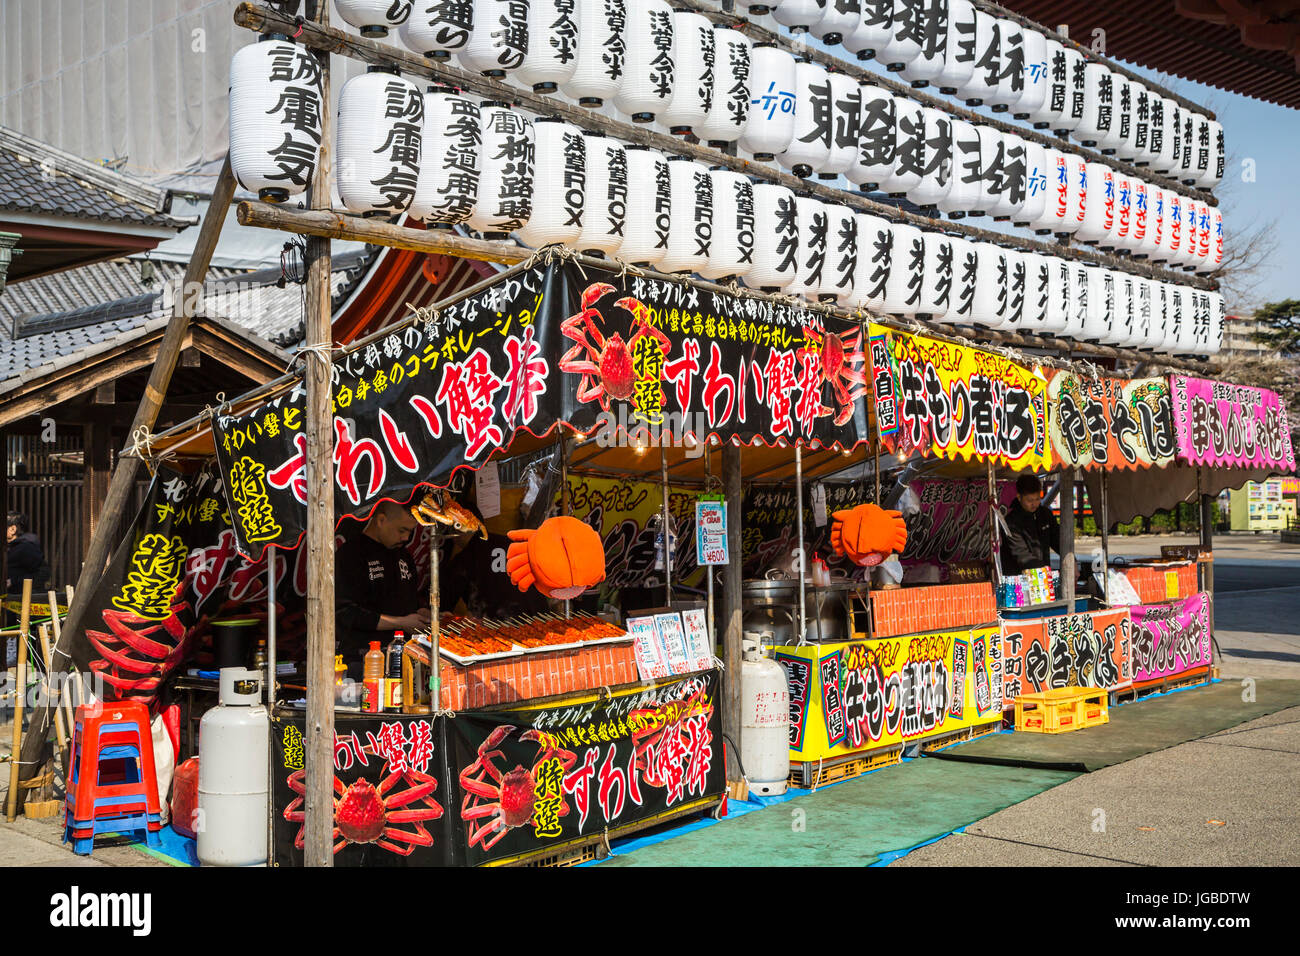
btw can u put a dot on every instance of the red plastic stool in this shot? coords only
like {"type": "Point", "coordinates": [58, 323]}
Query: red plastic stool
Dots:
{"type": "Point", "coordinates": [114, 785]}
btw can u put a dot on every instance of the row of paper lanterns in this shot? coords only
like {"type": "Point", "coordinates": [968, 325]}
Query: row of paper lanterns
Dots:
{"type": "Point", "coordinates": [995, 61]}
{"type": "Point", "coordinates": [440, 155]}
{"type": "Point", "coordinates": [655, 63]}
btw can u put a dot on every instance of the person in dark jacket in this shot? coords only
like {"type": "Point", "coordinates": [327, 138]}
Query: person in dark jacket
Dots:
{"type": "Point", "coordinates": [1032, 533]}
{"type": "Point", "coordinates": [25, 558]}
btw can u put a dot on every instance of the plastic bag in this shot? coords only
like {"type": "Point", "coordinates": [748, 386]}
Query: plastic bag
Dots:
{"type": "Point", "coordinates": [164, 761]}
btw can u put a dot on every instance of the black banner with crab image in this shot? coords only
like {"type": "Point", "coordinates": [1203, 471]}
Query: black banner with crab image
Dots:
{"type": "Point", "coordinates": [540, 777]}
{"type": "Point", "coordinates": [609, 354]}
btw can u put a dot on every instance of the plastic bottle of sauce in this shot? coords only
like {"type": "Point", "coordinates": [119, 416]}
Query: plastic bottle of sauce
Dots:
{"type": "Point", "coordinates": [372, 687]}
{"type": "Point", "coordinates": [393, 673]}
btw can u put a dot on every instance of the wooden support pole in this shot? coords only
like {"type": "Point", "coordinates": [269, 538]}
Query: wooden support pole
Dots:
{"type": "Point", "coordinates": [66, 697]}
{"type": "Point", "coordinates": [1207, 544]}
{"type": "Point", "coordinates": [20, 692]}
{"type": "Point", "coordinates": [732, 609]}
{"type": "Point", "coordinates": [53, 695]}
{"type": "Point", "coordinates": [1069, 564]}
{"type": "Point", "coordinates": [4, 552]}
{"type": "Point", "coordinates": [319, 745]}
{"type": "Point", "coordinates": [117, 503]}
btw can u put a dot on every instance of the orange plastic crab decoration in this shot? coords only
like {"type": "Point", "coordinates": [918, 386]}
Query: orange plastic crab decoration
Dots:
{"type": "Point", "coordinates": [868, 534]}
{"type": "Point", "coordinates": [562, 558]}
{"type": "Point", "coordinates": [606, 363]}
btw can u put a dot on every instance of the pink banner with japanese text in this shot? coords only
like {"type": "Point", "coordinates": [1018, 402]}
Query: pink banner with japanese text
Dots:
{"type": "Point", "coordinates": [1169, 639]}
{"type": "Point", "coordinates": [1235, 426]}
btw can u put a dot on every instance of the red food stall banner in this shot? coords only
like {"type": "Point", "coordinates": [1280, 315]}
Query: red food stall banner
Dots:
{"type": "Point", "coordinates": [1074, 650]}
{"type": "Point", "coordinates": [1110, 423]}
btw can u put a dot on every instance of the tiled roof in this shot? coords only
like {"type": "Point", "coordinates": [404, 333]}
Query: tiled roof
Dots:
{"type": "Point", "coordinates": [53, 320]}
{"type": "Point", "coordinates": [37, 179]}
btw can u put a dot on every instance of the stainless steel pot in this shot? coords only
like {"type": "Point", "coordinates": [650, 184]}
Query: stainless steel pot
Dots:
{"type": "Point", "coordinates": [774, 606]}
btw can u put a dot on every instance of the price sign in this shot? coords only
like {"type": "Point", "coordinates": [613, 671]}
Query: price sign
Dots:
{"type": "Point", "coordinates": [710, 532]}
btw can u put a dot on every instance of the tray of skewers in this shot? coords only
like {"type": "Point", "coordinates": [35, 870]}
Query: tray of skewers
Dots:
{"type": "Point", "coordinates": [468, 640]}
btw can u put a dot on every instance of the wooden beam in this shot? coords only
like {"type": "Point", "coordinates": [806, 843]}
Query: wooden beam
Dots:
{"type": "Point", "coordinates": [95, 466]}
{"type": "Point", "coordinates": [317, 37]}
{"type": "Point", "coordinates": [117, 502]}
{"type": "Point", "coordinates": [247, 363]}
{"type": "Point", "coordinates": [319, 822]}
{"type": "Point", "coordinates": [191, 358]}
{"type": "Point", "coordinates": [106, 394]}
{"type": "Point", "coordinates": [78, 380]}
{"type": "Point", "coordinates": [337, 225]}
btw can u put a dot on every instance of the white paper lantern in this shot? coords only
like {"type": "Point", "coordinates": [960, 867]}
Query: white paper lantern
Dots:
{"type": "Point", "coordinates": [1017, 283]}
{"type": "Point", "coordinates": [1174, 122]}
{"type": "Point", "coordinates": [1159, 314]}
{"type": "Point", "coordinates": [810, 147]}
{"type": "Point", "coordinates": [1126, 332]}
{"type": "Point", "coordinates": [552, 45]}
{"type": "Point", "coordinates": [602, 51]}
{"type": "Point", "coordinates": [275, 118]}
{"type": "Point", "coordinates": [990, 308]}
{"type": "Point", "coordinates": [904, 44]}
{"type": "Point", "coordinates": [1142, 98]}
{"type": "Point", "coordinates": [1034, 94]}
{"type": "Point", "coordinates": [1187, 162]}
{"type": "Point", "coordinates": [907, 270]}
{"type": "Point", "coordinates": [1100, 304]}
{"type": "Point", "coordinates": [1109, 140]}
{"type": "Point", "coordinates": [649, 207]}
{"type": "Point", "coordinates": [1078, 177]}
{"type": "Point", "coordinates": [1059, 315]}
{"type": "Point", "coordinates": [1099, 204]}
{"type": "Point", "coordinates": [965, 271]}
{"type": "Point", "coordinates": [909, 147]}
{"type": "Point", "coordinates": [729, 112]}
{"type": "Point", "coordinates": [1036, 175]}
{"type": "Point", "coordinates": [965, 188]}
{"type": "Point", "coordinates": [1203, 160]}
{"type": "Point", "coordinates": [1155, 213]}
{"type": "Point", "coordinates": [811, 277]}
{"type": "Point", "coordinates": [876, 144]}
{"type": "Point", "coordinates": [936, 276]}
{"type": "Point", "coordinates": [1117, 236]}
{"type": "Point", "coordinates": [1166, 141]}
{"type": "Point", "coordinates": [604, 218]}
{"type": "Point", "coordinates": [1141, 313]}
{"type": "Point", "coordinates": [1171, 244]}
{"type": "Point", "coordinates": [380, 127]}
{"type": "Point", "coordinates": [776, 239]}
{"type": "Point", "coordinates": [1191, 234]}
{"type": "Point", "coordinates": [498, 41]}
{"type": "Point", "coordinates": [770, 124]}
{"type": "Point", "coordinates": [838, 18]}
{"type": "Point", "coordinates": [936, 175]}
{"type": "Point", "coordinates": [695, 56]}
{"type": "Point", "coordinates": [798, 15]}
{"type": "Point", "coordinates": [841, 253]}
{"type": "Point", "coordinates": [1011, 171]}
{"type": "Point", "coordinates": [1184, 321]}
{"type": "Point", "coordinates": [1215, 259]}
{"type": "Point", "coordinates": [846, 110]}
{"type": "Point", "coordinates": [928, 64]}
{"type": "Point", "coordinates": [958, 48]}
{"type": "Point", "coordinates": [1213, 174]}
{"type": "Point", "coordinates": [983, 83]}
{"type": "Point", "coordinates": [1217, 316]}
{"type": "Point", "coordinates": [447, 190]}
{"type": "Point", "coordinates": [1037, 292]}
{"type": "Point", "coordinates": [875, 256]}
{"type": "Point", "coordinates": [875, 27]}
{"type": "Point", "coordinates": [374, 18]}
{"type": "Point", "coordinates": [1204, 237]}
{"type": "Point", "coordinates": [690, 231]}
{"type": "Point", "coordinates": [731, 251]}
{"type": "Point", "coordinates": [505, 184]}
{"type": "Point", "coordinates": [1011, 61]}
{"type": "Point", "coordinates": [1072, 113]}
{"type": "Point", "coordinates": [1110, 308]}
{"type": "Point", "coordinates": [1140, 216]}
{"type": "Point", "coordinates": [650, 62]}
{"type": "Point", "coordinates": [1055, 84]}
{"type": "Point", "coordinates": [560, 162]}
{"type": "Point", "coordinates": [1125, 112]}
{"type": "Point", "coordinates": [992, 153]}
{"type": "Point", "coordinates": [1204, 321]}
{"type": "Point", "coordinates": [1080, 302]}
{"type": "Point", "coordinates": [436, 28]}
{"type": "Point", "coordinates": [1098, 104]}
{"type": "Point", "coordinates": [1056, 194]}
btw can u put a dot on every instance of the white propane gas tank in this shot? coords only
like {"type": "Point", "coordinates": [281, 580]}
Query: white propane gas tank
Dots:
{"type": "Point", "coordinates": [233, 762]}
{"type": "Point", "coordinates": [764, 720]}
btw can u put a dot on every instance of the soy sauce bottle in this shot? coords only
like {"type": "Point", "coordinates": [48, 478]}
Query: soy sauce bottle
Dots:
{"type": "Point", "coordinates": [393, 673]}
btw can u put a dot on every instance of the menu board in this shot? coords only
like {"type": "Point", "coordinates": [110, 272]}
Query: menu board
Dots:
{"type": "Point", "coordinates": [651, 661]}
{"type": "Point", "coordinates": [710, 532]}
{"type": "Point", "coordinates": [672, 639]}
{"type": "Point", "coordinates": [699, 647]}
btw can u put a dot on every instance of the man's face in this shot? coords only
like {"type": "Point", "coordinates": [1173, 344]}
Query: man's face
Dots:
{"type": "Point", "coordinates": [11, 533]}
{"type": "Point", "coordinates": [1030, 501]}
{"type": "Point", "coordinates": [394, 531]}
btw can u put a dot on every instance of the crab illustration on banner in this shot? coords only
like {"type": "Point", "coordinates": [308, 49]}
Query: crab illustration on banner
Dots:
{"type": "Point", "coordinates": [1110, 422]}
{"type": "Point", "coordinates": [868, 534]}
{"type": "Point", "coordinates": [562, 558]}
{"type": "Point", "coordinates": [958, 402]}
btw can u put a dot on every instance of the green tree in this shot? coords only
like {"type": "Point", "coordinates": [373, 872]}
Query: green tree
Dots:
{"type": "Point", "coordinates": [1282, 326]}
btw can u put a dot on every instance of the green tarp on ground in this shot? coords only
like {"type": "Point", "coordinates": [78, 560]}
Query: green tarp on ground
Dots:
{"type": "Point", "coordinates": [1135, 729]}
{"type": "Point", "coordinates": [853, 823]}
